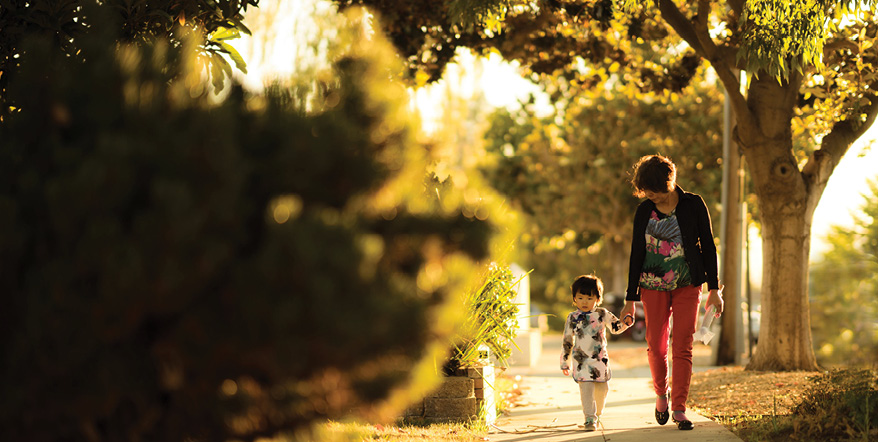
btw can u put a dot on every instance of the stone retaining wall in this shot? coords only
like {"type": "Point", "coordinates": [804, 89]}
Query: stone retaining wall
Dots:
{"type": "Point", "coordinates": [459, 398]}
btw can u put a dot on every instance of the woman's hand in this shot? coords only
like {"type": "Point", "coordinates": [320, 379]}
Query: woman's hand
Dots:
{"type": "Point", "coordinates": [628, 309]}
{"type": "Point", "coordinates": [715, 298]}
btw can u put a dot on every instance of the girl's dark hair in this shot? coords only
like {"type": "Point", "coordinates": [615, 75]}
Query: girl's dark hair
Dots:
{"type": "Point", "coordinates": [588, 285]}
{"type": "Point", "coordinates": [654, 173]}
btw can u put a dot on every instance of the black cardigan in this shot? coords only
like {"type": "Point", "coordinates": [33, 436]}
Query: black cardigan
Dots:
{"type": "Point", "coordinates": [698, 246]}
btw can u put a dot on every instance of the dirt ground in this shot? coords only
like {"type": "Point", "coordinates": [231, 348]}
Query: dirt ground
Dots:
{"type": "Point", "coordinates": [726, 391]}
{"type": "Point", "coordinates": [733, 391]}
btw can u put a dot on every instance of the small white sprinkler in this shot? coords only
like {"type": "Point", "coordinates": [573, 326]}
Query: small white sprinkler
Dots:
{"type": "Point", "coordinates": [704, 334]}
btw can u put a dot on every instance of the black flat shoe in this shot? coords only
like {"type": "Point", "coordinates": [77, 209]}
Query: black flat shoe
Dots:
{"type": "Point", "coordinates": [661, 417]}
{"type": "Point", "coordinates": [682, 425]}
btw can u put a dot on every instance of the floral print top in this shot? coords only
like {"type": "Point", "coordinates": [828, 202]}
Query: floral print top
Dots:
{"type": "Point", "coordinates": [585, 338]}
{"type": "Point", "coordinates": [664, 267]}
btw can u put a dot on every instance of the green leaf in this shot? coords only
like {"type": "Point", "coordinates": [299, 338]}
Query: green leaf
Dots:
{"type": "Point", "coordinates": [223, 33]}
{"type": "Point", "coordinates": [217, 78]}
{"type": "Point", "coordinates": [219, 70]}
{"type": "Point", "coordinates": [240, 26]}
{"type": "Point", "coordinates": [162, 14]}
{"type": "Point", "coordinates": [235, 56]}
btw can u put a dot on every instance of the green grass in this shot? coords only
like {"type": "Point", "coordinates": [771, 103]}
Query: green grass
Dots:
{"type": "Point", "coordinates": [356, 432]}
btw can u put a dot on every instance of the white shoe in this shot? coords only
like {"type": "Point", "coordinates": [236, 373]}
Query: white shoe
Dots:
{"type": "Point", "coordinates": [590, 425]}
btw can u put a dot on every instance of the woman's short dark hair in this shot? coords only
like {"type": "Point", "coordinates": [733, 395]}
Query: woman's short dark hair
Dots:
{"type": "Point", "coordinates": [654, 173]}
{"type": "Point", "coordinates": [588, 285]}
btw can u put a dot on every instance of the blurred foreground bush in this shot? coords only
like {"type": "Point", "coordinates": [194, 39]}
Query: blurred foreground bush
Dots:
{"type": "Point", "coordinates": [176, 269]}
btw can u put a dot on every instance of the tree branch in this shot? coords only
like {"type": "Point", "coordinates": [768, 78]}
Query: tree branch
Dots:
{"type": "Point", "coordinates": [728, 55]}
{"type": "Point", "coordinates": [839, 44]}
{"type": "Point", "coordinates": [701, 18]}
{"type": "Point", "coordinates": [725, 65]}
{"type": "Point", "coordinates": [676, 20]}
{"type": "Point", "coordinates": [823, 161]}
{"type": "Point", "coordinates": [737, 6]}
{"type": "Point", "coordinates": [731, 81]}
{"type": "Point", "coordinates": [791, 98]}
{"type": "Point", "coordinates": [701, 31]}
{"type": "Point", "coordinates": [721, 58]}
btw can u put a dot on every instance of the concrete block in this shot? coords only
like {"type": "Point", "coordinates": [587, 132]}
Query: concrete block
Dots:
{"type": "Point", "coordinates": [479, 393]}
{"type": "Point", "coordinates": [452, 408]}
{"type": "Point", "coordinates": [458, 399]}
{"type": "Point", "coordinates": [478, 383]}
{"type": "Point", "coordinates": [454, 387]}
{"type": "Point", "coordinates": [415, 410]}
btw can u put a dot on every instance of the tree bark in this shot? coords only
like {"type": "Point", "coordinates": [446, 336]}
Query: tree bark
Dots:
{"type": "Point", "coordinates": [785, 333]}
{"type": "Point", "coordinates": [784, 206]}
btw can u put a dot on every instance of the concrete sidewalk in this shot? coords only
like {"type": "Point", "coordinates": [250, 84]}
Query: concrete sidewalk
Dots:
{"type": "Point", "coordinates": [551, 410]}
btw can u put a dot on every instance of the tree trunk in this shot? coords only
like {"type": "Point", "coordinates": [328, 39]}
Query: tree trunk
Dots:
{"type": "Point", "coordinates": [785, 330]}
{"type": "Point", "coordinates": [617, 253]}
{"type": "Point", "coordinates": [730, 242]}
{"type": "Point", "coordinates": [786, 209]}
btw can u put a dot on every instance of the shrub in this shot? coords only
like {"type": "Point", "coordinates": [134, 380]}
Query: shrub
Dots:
{"type": "Point", "coordinates": [841, 404]}
{"type": "Point", "coordinates": [174, 268]}
{"type": "Point", "coordinates": [491, 321]}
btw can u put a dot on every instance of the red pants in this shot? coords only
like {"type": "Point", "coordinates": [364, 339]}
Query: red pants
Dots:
{"type": "Point", "coordinates": [658, 306]}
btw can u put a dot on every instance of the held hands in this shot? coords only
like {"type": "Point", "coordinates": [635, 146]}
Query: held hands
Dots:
{"type": "Point", "coordinates": [627, 313]}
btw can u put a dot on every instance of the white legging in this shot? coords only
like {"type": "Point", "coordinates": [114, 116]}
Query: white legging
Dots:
{"type": "Point", "coordinates": [594, 396]}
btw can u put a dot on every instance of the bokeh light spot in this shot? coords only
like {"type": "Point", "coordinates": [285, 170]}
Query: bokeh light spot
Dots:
{"type": "Point", "coordinates": [285, 208]}
{"type": "Point", "coordinates": [229, 387]}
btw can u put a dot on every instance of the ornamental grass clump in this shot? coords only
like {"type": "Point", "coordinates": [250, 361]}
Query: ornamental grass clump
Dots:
{"type": "Point", "coordinates": [490, 324]}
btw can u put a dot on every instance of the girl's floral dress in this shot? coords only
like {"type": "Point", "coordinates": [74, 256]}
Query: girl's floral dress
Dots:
{"type": "Point", "coordinates": [585, 338]}
{"type": "Point", "coordinates": [664, 267]}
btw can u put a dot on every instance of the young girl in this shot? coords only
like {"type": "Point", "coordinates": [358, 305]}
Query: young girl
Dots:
{"type": "Point", "coordinates": [585, 338]}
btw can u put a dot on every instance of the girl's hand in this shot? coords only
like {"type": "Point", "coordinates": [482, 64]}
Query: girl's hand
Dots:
{"type": "Point", "coordinates": [566, 372]}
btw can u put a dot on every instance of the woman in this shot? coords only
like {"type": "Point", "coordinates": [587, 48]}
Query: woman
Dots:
{"type": "Point", "coordinates": [672, 255]}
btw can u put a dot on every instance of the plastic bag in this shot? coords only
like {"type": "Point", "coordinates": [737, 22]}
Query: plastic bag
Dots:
{"type": "Point", "coordinates": [704, 334]}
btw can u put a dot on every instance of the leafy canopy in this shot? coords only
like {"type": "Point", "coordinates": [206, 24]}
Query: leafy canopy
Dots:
{"type": "Point", "coordinates": [776, 36]}
{"type": "Point", "coordinates": [65, 23]}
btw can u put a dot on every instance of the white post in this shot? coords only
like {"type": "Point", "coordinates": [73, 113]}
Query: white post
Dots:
{"type": "Point", "coordinates": [528, 340]}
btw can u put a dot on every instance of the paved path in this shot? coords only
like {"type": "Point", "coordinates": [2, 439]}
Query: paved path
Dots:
{"type": "Point", "coordinates": [551, 410]}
